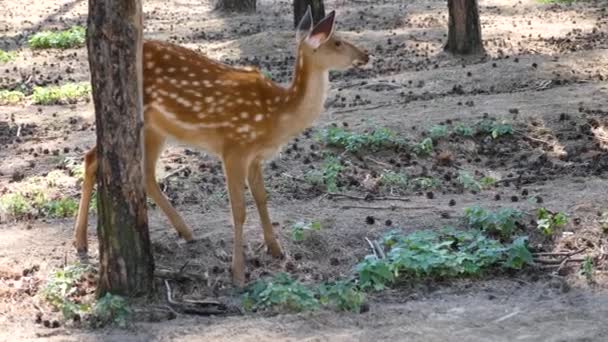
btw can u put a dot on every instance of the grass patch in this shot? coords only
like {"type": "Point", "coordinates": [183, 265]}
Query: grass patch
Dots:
{"type": "Point", "coordinates": [73, 37]}
{"type": "Point", "coordinates": [65, 94]}
{"type": "Point", "coordinates": [376, 140]}
{"type": "Point", "coordinates": [35, 204]}
{"type": "Point", "coordinates": [9, 97]}
{"type": "Point", "coordinates": [6, 57]}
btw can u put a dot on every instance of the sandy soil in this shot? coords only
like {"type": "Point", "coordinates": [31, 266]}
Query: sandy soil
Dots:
{"type": "Point", "coordinates": [545, 71]}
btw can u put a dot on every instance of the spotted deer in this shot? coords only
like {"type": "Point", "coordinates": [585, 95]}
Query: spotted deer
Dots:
{"type": "Point", "coordinates": [237, 114]}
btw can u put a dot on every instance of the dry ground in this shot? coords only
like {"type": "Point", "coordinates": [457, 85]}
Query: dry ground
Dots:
{"type": "Point", "coordinates": [545, 72]}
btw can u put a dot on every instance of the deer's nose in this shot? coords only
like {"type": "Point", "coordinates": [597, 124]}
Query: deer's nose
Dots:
{"type": "Point", "coordinates": [364, 59]}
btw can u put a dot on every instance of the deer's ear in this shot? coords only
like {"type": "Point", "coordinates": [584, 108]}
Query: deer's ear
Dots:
{"type": "Point", "coordinates": [305, 26]}
{"type": "Point", "coordinates": [322, 31]}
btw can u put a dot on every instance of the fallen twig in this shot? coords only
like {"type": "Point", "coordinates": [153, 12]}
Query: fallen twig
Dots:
{"type": "Point", "coordinates": [179, 275]}
{"type": "Point", "coordinates": [390, 207]}
{"type": "Point", "coordinates": [379, 249]}
{"type": "Point", "coordinates": [369, 197]}
{"type": "Point", "coordinates": [371, 245]}
{"type": "Point", "coordinates": [196, 307]}
{"type": "Point", "coordinates": [173, 173]}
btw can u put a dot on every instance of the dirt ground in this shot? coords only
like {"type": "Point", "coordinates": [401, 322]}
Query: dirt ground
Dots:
{"type": "Point", "coordinates": [545, 72]}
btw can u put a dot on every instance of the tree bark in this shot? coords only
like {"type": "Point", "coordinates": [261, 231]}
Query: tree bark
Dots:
{"type": "Point", "coordinates": [114, 42]}
{"type": "Point", "coordinates": [236, 5]}
{"type": "Point", "coordinates": [300, 6]}
{"type": "Point", "coordinates": [464, 31]}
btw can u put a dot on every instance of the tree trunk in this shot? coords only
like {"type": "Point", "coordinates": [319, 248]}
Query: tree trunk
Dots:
{"type": "Point", "coordinates": [464, 32]}
{"type": "Point", "coordinates": [300, 6]}
{"type": "Point", "coordinates": [114, 42]}
{"type": "Point", "coordinates": [236, 5]}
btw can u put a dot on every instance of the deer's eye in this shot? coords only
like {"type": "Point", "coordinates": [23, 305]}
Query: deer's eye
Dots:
{"type": "Point", "coordinates": [338, 43]}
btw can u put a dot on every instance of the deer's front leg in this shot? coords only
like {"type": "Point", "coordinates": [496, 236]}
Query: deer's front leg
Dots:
{"type": "Point", "coordinates": [255, 180]}
{"type": "Point", "coordinates": [235, 169]}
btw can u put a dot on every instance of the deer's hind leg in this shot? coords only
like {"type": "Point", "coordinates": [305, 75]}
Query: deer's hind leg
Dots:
{"type": "Point", "coordinates": [154, 143]}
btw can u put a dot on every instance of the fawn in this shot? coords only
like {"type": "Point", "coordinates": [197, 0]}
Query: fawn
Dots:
{"type": "Point", "coordinates": [237, 114]}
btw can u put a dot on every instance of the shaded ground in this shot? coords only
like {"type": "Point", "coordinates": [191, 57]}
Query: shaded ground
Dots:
{"type": "Point", "coordinates": [545, 73]}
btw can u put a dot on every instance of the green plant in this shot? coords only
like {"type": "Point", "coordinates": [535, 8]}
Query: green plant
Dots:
{"type": "Point", "coordinates": [6, 57]}
{"type": "Point", "coordinates": [424, 183]}
{"type": "Point", "coordinates": [298, 229]}
{"type": "Point", "coordinates": [67, 93]}
{"type": "Point", "coordinates": [448, 253]}
{"type": "Point", "coordinates": [587, 268]}
{"type": "Point", "coordinates": [71, 38]}
{"type": "Point", "coordinates": [501, 223]}
{"type": "Point", "coordinates": [547, 222]}
{"type": "Point", "coordinates": [279, 293]}
{"type": "Point", "coordinates": [328, 175]}
{"type": "Point", "coordinates": [424, 148]}
{"type": "Point", "coordinates": [438, 132]}
{"type": "Point", "coordinates": [392, 178]}
{"type": "Point", "coordinates": [380, 138]}
{"type": "Point", "coordinates": [60, 208]}
{"type": "Point", "coordinates": [470, 183]}
{"type": "Point", "coordinates": [111, 309]}
{"type": "Point", "coordinates": [374, 273]}
{"type": "Point", "coordinates": [61, 287]}
{"type": "Point", "coordinates": [8, 97]}
{"type": "Point", "coordinates": [463, 130]}
{"type": "Point", "coordinates": [14, 205]}
{"type": "Point", "coordinates": [494, 128]}
{"type": "Point", "coordinates": [344, 295]}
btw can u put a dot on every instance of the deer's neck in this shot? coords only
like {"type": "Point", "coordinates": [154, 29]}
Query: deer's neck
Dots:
{"type": "Point", "coordinates": [307, 92]}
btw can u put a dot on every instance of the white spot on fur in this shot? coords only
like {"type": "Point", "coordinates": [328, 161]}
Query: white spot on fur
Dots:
{"type": "Point", "coordinates": [258, 117]}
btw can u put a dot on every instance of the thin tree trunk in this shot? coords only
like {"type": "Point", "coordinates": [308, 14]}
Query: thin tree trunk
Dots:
{"type": "Point", "coordinates": [114, 42]}
{"type": "Point", "coordinates": [236, 5]}
{"type": "Point", "coordinates": [300, 6]}
{"type": "Point", "coordinates": [464, 31]}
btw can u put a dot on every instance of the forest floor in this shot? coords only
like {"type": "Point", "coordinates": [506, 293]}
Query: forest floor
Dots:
{"type": "Point", "coordinates": [544, 77]}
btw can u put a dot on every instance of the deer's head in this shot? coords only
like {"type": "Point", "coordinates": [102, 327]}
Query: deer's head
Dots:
{"type": "Point", "coordinates": [322, 48]}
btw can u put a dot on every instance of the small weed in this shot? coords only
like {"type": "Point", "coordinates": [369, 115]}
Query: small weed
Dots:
{"type": "Point", "coordinates": [468, 182]}
{"type": "Point", "coordinates": [61, 288]}
{"type": "Point", "coordinates": [463, 130]}
{"type": "Point", "coordinates": [392, 178]}
{"type": "Point", "coordinates": [328, 175]}
{"type": "Point", "coordinates": [6, 57]}
{"type": "Point", "coordinates": [501, 223]}
{"type": "Point", "coordinates": [344, 295]}
{"type": "Point", "coordinates": [110, 309]}
{"type": "Point", "coordinates": [9, 97]}
{"type": "Point", "coordinates": [424, 183]}
{"type": "Point", "coordinates": [35, 203]}
{"type": "Point", "coordinates": [378, 139]}
{"type": "Point", "coordinates": [548, 222]}
{"type": "Point", "coordinates": [424, 148]}
{"type": "Point", "coordinates": [495, 129]}
{"type": "Point", "coordinates": [299, 229]}
{"type": "Point", "coordinates": [587, 269]}
{"type": "Point", "coordinates": [279, 293]}
{"type": "Point", "coordinates": [67, 93]}
{"type": "Point", "coordinates": [438, 132]}
{"type": "Point", "coordinates": [72, 38]}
